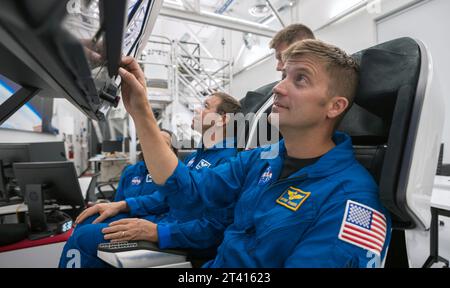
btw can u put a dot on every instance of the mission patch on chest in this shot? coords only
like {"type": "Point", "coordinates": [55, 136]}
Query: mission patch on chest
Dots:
{"type": "Point", "coordinates": [293, 198]}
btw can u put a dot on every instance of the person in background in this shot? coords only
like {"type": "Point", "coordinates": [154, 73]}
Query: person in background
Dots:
{"type": "Point", "coordinates": [135, 180]}
{"type": "Point", "coordinates": [255, 101]}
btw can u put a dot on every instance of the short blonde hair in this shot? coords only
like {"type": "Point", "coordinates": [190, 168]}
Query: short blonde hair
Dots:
{"type": "Point", "coordinates": [343, 71]}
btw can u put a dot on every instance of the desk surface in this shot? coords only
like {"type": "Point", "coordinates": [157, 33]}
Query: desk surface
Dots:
{"type": "Point", "coordinates": [102, 158]}
{"type": "Point", "coordinates": [441, 193]}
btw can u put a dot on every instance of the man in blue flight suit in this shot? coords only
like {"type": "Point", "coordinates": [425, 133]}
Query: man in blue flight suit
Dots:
{"type": "Point", "coordinates": [304, 202]}
{"type": "Point", "coordinates": [135, 180]}
{"type": "Point", "coordinates": [179, 225]}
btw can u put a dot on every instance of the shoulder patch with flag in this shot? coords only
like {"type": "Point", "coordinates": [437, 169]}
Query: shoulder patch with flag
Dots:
{"type": "Point", "coordinates": [364, 227]}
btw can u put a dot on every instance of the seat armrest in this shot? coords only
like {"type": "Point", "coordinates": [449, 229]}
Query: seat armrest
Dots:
{"type": "Point", "coordinates": [141, 254]}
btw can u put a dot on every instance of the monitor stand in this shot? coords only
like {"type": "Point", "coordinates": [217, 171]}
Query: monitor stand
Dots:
{"type": "Point", "coordinates": [34, 197]}
{"type": "Point", "coordinates": [3, 188]}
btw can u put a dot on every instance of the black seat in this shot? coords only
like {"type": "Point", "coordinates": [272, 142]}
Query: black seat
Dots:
{"type": "Point", "coordinates": [384, 121]}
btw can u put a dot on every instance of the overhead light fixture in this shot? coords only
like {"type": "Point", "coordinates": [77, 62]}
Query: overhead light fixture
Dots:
{"type": "Point", "coordinates": [260, 9]}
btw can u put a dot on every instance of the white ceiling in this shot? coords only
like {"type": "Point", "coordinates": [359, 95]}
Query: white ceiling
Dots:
{"type": "Point", "coordinates": [313, 13]}
{"type": "Point", "coordinates": [236, 8]}
{"type": "Point", "coordinates": [211, 37]}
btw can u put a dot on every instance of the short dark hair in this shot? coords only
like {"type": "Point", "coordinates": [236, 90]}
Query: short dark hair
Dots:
{"type": "Point", "coordinates": [228, 104]}
{"type": "Point", "coordinates": [291, 34]}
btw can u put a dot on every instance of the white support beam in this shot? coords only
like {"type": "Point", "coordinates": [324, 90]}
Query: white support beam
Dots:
{"type": "Point", "coordinates": [218, 21]}
{"type": "Point", "coordinates": [187, 5]}
{"type": "Point", "coordinates": [275, 12]}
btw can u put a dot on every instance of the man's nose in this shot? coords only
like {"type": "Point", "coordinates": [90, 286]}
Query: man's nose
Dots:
{"type": "Point", "coordinates": [279, 89]}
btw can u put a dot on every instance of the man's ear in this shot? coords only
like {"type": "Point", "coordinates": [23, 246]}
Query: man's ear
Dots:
{"type": "Point", "coordinates": [224, 119]}
{"type": "Point", "coordinates": [338, 105]}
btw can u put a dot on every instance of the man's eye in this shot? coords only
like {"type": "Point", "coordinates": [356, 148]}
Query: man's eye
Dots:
{"type": "Point", "coordinates": [301, 78]}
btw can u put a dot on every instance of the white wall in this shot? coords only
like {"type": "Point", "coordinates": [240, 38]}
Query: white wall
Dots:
{"type": "Point", "coordinates": [435, 14]}
{"type": "Point", "coordinates": [14, 136]}
{"type": "Point", "coordinates": [249, 80]}
{"type": "Point", "coordinates": [73, 123]}
{"type": "Point", "coordinates": [354, 32]}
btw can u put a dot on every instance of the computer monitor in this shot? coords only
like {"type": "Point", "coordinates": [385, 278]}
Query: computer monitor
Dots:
{"type": "Point", "coordinates": [9, 154]}
{"type": "Point", "coordinates": [47, 152]}
{"type": "Point", "coordinates": [48, 181]}
{"type": "Point", "coordinates": [24, 152]}
{"type": "Point", "coordinates": [60, 179]}
{"type": "Point", "coordinates": [12, 153]}
{"type": "Point", "coordinates": [111, 146]}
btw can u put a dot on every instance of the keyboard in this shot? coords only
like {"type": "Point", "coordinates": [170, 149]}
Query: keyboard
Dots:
{"type": "Point", "coordinates": [125, 246]}
{"type": "Point", "coordinates": [118, 246]}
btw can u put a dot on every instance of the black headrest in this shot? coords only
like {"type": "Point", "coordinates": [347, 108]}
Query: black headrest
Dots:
{"type": "Point", "coordinates": [384, 70]}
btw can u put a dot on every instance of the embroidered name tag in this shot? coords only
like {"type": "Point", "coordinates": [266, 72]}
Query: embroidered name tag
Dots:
{"type": "Point", "coordinates": [293, 198]}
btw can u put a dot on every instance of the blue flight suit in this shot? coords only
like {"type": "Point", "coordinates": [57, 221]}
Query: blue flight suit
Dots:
{"type": "Point", "coordinates": [189, 224]}
{"type": "Point", "coordinates": [135, 181]}
{"type": "Point", "coordinates": [184, 225]}
{"type": "Point", "coordinates": [327, 214]}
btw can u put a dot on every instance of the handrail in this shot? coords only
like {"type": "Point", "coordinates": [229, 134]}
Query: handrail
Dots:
{"type": "Point", "coordinates": [189, 78]}
{"type": "Point", "coordinates": [193, 93]}
{"type": "Point", "coordinates": [194, 75]}
{"type": "Point", "coordinates": [206, 73]}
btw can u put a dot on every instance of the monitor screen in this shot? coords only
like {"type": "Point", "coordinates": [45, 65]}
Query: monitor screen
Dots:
{"type": "Point", "coordinates": [34, 116]}
{"type": "Point", "coordinates": [73, 53]}
{"type": "Point", "coordinates": [60, 179]}
{"type": "Point", "coordinates": [47, 152]}
{"type": "Point", "coordinates": [12, 153]}
{"type": "Point", "coordinates": [111, 146]}
{"type": "Point", "coordinates": [88, 23]}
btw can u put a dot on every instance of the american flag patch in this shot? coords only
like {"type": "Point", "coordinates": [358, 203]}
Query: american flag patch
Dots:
{"type": "Point", "coordinates": [364, 227]}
